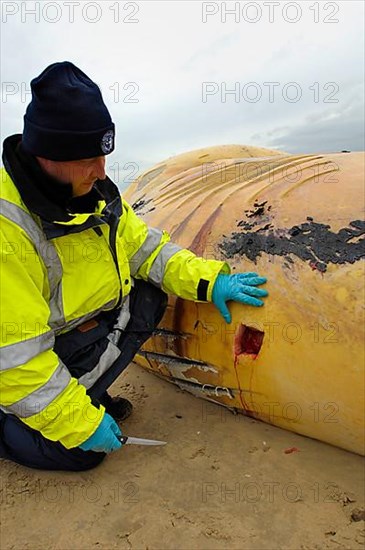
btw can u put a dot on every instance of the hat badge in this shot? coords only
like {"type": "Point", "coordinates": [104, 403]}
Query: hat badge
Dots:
{"type": "Point", "coordinates": [107, 142]}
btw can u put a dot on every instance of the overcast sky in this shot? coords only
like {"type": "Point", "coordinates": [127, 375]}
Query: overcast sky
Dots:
{"type": "Point", "coordinates": [294, 70]}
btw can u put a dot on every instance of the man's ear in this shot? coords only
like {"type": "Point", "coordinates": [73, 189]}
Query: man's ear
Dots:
{"type": "Point", "coordinates": [44, 163]}
{"type": "Point", "coordinates": [48, 166]}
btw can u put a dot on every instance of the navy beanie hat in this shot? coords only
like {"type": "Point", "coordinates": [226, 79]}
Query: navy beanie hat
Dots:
{"type": "Point", "coordinates": [67, 118]}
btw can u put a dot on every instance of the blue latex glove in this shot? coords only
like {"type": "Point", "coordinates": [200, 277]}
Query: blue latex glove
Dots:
{"type": "Point", "coordinates": [104, 439]}
{"type": "Point", "coordinates": [240, 287]}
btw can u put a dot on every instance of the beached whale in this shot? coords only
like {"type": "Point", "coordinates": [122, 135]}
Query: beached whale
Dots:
{"type": "Point", "coordinates": [297, 362]}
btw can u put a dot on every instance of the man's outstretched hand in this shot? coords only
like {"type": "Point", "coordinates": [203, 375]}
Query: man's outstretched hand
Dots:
{"type": "Point", "coordinates": [240, 287]}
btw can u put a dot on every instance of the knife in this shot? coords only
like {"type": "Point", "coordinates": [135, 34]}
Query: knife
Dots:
{"type": "Point", "coordinates": [126, 440]}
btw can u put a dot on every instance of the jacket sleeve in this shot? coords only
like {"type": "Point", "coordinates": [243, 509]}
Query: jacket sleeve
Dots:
{"type": "Point", "coordinates": [154, 258]}
{"type": "Point", "coordinates": [34, 383]}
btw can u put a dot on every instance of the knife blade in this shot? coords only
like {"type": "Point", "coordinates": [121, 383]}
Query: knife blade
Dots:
{"type": "Point", "coordinates": [127, 440]}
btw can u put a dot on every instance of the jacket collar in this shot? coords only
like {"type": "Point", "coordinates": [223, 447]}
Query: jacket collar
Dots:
{"type": "Point", "coordinates": [51, 200]}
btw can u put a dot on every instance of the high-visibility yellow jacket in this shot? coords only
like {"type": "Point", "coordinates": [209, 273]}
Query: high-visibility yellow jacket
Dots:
{"type": "Point", "coordinates": [54, 277]}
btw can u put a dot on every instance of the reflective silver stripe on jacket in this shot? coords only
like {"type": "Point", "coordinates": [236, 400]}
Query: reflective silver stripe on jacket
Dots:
{"type": "Point", "coordinates": [46, 251]}
{"type": "Point", "coordinates": [157, 270]}
{"type": "Point", "coordinates": [152, 241]}
{"type": "Point", "coordinates": [111, 352]}
{"type": "Point", "coordinates": [122, 321]}
{"type": "Point", "coordinates": [20, 353]}
{"type": "Point", "coordinates": [69, 325]}
{"type": "Point", "coordinates": [39, 399]}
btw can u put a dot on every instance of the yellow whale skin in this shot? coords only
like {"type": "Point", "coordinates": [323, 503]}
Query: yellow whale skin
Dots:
{"type": "Point", "coordinates": [298, 361]}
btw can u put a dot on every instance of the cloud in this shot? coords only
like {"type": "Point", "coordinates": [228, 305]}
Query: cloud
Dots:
{"type": "Point", "coordinates": [170, 53]}
{"type": "Point", "coordinates": [331, 131]}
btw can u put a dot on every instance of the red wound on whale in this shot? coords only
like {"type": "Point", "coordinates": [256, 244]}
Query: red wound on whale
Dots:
{"type": "Point", "coordinates": [248, 340]}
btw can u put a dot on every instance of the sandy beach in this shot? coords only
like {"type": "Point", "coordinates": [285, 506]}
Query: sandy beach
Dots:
{"type": "Point", "coordinates": [222, 481]}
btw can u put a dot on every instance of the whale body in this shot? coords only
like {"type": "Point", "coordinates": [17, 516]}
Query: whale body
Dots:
{"type": "Point", "coordinates": [297, 362]}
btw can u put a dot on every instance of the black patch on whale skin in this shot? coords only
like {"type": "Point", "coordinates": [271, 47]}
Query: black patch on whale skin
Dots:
{"type": "Point", "coordinates": [310, 241]}
{"type": "Point", "coordinates": [140, 204]}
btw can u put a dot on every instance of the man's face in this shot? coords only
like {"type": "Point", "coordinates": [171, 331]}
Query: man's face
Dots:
{"type": "Point", "coordinates": [82, 174]}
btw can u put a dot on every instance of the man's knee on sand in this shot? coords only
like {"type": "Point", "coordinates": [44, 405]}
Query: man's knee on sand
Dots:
{"type": "Point", "coordinates": [28, 447]}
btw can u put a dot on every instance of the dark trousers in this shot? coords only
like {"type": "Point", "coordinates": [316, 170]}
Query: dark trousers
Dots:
{"type": "Point", "coordinates": [28, 447]}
